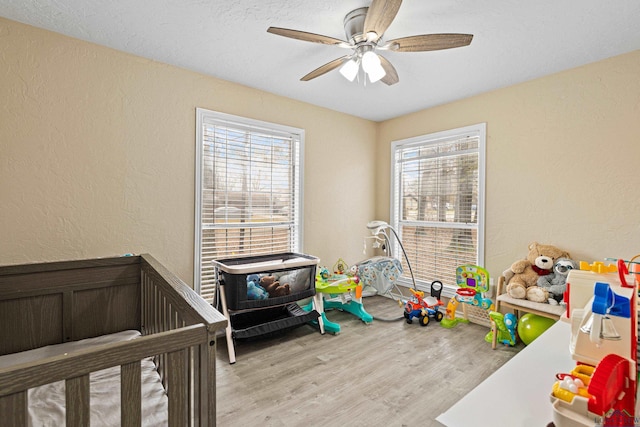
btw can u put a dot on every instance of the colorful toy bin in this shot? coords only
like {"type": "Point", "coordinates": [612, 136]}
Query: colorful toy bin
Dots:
{"type": "Point", "coordinates": [241, 279]}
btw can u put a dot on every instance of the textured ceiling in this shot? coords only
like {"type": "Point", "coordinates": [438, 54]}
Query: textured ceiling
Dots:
{"type": "Point", "coordinates": [514, 41]}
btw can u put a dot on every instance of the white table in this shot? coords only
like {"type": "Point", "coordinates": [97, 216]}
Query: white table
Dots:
{"type": "Point", "coordinates": [517, 394]}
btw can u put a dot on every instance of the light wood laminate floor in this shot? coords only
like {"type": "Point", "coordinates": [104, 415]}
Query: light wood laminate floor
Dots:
{"type": "Point", "coordinates": [381, 374]}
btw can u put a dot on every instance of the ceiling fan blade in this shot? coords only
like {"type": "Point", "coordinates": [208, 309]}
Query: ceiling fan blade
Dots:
{"type": "Point", "coordinates": [308, 37]}
{"type": "Point", "coordinates": [325, 68]}
{"type": "Point", "coordinates": [428, 42]}
{"type": "Point", "coordinates": [391, 77]}
{"type": "Point", "coordinates": [380, 15]}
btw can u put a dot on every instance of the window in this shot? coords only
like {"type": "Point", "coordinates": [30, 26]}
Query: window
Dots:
{"type": "Point", "coordinates": [248, 191]}
{"type": "Point", "coordinates": [437, 202]}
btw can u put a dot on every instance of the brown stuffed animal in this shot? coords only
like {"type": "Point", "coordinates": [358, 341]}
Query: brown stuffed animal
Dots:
{"type": "Point", "coordinates": [522, 277]}
{"type": "Point", "coordinates": [273, 287]}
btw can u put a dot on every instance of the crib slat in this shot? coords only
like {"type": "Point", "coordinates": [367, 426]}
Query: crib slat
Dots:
{"type": "Point", "coordinates": [162, 365]}
{"type": "Point", "coordinates": [177, 388]}
{"type": "Point", "coordinates": [77, 401]}
{"type": "Point", "coordinates": [144, 301]}
{"type": "Point", "coordinates": [194, 396]}
{"type": "Point", "coordinates": [13, 409]}
{"type": "Point", "coordinates": [131, 395]}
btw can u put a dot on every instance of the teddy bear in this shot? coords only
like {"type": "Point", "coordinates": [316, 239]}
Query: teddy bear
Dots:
{"type": "Point", "coordinates": [273, 287]}
{"type": "Point", "coordinates": [556, 282]}
{"type": "Point", "coordinates": [522, 276]}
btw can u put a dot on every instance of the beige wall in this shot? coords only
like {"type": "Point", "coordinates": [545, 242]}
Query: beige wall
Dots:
{"type": "Point", "coordinates": [563, 161]}
{"type": "Point", "coordinates": [97, 155]}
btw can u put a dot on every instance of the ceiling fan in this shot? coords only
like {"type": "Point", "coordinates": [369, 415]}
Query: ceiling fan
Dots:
{"type": "Point", "coordinates": [364, 28]}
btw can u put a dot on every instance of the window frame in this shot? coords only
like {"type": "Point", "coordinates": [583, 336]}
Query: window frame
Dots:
{"type": "Point", "coordinates": [202, 116]}
{"type": "Point", "coordinates": [395, 199]}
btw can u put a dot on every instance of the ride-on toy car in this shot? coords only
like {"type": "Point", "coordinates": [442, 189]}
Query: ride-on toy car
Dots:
{"type": "Point", "coordinates": [424, 308]}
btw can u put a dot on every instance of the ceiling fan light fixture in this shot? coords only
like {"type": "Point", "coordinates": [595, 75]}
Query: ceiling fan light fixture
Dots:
{"type": "Point", "coordinates": [371, 65]}
{"type": "Point", "coordinates": [369, 60]}
{"type": "Point", "coordinates": [365, 28]}
{"type": "Point", "coordinates": [350, 69]}
{"type": "Point", "coordinates": [376, 74]}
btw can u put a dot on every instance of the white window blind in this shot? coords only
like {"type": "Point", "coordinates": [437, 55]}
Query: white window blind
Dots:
{"type": "Point", "coordinates": [249, 191]}
{"type": "Point", "coordinates": [438, 201]}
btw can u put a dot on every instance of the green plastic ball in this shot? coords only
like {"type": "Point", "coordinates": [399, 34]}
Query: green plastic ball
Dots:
{"type": "Point", "coordinates": [531, 326]}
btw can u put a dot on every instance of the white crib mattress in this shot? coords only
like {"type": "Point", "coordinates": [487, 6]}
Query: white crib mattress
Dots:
{"type": "Point", "coordinates": [46, 403]}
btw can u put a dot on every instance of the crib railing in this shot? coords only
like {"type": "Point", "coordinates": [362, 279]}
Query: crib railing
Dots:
{"type": "Point", "coordinates": [74, 368]}
{"type": "Point", "coordinates": [178, 327]}
{"type": "Point", "coordinates": [168, 304]}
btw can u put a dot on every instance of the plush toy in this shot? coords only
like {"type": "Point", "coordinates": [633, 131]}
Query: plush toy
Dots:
{"type": "Point", "coordinates": [556, 282]}
{"type": "Point", "coordinates": [522, 276]}
{"type": "Point", "coordinates": [255, 291]}
{"type": "Point", "coordinates": [298, 280]}
{"type": "Point", "coordinates": [323, 273]}
{"type": "Point", "coordinates": [273, 287]}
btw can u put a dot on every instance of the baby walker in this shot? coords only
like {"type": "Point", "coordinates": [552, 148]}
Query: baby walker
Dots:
{"type": "Point", "coordinates": [473, 282]}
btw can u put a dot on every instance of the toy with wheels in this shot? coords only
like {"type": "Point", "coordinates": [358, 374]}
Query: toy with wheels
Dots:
{"type": "Point", "coordinates": [424, 308]}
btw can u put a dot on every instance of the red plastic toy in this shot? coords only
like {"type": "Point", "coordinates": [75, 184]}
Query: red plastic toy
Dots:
{"type": "Point", "coordinates": [424, 308]}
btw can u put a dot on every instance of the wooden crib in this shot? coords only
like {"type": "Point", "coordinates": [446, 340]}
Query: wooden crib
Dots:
{"type": "Point", "coordinates": [50, 304]}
